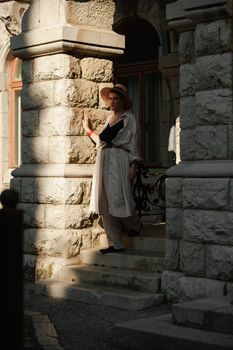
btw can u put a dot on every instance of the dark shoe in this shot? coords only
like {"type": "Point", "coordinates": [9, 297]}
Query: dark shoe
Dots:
{"type": "Point", "coordinates": [111, 249]}
{"type": "Point", "coordinates": [134, 233]}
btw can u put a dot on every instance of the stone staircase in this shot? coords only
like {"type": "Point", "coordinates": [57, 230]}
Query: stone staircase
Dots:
{"type": "Point", "coordinates": [129, 280]}
{"type": "Point", "coordinates": [200, 324]}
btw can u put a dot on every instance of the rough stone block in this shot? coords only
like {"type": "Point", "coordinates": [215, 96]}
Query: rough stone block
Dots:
{"type": "Point", "coordinates": [28, 190]}
{"type": "Point", "coordinates": [174, 223]}
{"type": "Point", "coordinates": [60, 121]}
{"type": "Point", "coordinates": [61, 191]}
{"type": "Point", "coordinates": [230, 142]}
{"type": "Point", "coordinates": [82, 150]}
{"type": "Point", "coordinates": [99, 14]}
{"type": "Point", "coordinates": [76, 92]}
{"type": "Point", "coordinates": [38, 95]}
{"type": "Point", "coordinates": [35, 150]}
{"type": "Point", "coordinates": [187, 144]}
{"type": "Point", "coordinates": [219, 262]}
{"type": "Point", "coordinates": [187, 79]}
{"type": "Point", "coordinates": [51, 242]}
{"type": "Point", "coordinates": [47, 266]}
{"type": "Point", "coordinates": [187, 112]}
{"type": "Point", "coordinates": [229, 290]}
{"type": "Point", "coordinates": [30, 123]}
{"type": "Point", "coordinates": [16, 184]}
{"type": "Point", "coordinates": [186, 47]}
{"type": "Point", "coordinates": [214, 107]}
{"type": "Point", "coordinates": [97, 117]}
{"type": "Point", "coordinates": [214, 72]}
{"type": "Point", "coordinates": [59, 149]}
{"type": "Point", "coordinates": [193, 259]}
{"type": "Point", "coordinates": [208, 226]}
{"type": "Point", "coordinates": [192, 288]}
{"type": "Point", "coordinates": [56, 67]}
{"type": "Point", "coordinates": [34, 214]}
{"type": "Point", "coordinates": [99, 70]}
{"type": "Point", "coordinates": [172, 254]}
{"type": "Point", "coordinates": [67, 217]}
{"type": "Point", "coordinates": [211, 142]}
{"type": "Point", "coordinates": [27, 71]}
{"type": "Point", "coordinates": [173, 192]}
{"type": "Point", "coordinates": [231, 195]}
{"type": "Point", "coordinates": [170, 285]}
{"type": "Point", "coordinates": [29, 267]}
{"type": "Point", "coordinates": [213, 37]}
{"type": "Point", "coordinates": [63, 121]}
{"type": "Point", "coordinates": [206, 193]}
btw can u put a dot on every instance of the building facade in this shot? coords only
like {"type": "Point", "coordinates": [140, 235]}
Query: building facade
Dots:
{"type": "Point", "coordinates": [176, 59]}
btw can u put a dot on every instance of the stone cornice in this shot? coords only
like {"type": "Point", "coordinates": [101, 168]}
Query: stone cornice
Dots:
{"type": "Point", "coordinates": [203, 168]}
{"type": "Point", "coordinates": [62, 38]}
{"type": "Point", "coordinates": [54, 170]}
{"type": "Point", "coordinates": [184, 15]}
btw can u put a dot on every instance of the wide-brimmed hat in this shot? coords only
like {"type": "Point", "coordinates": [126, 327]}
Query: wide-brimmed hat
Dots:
{"type": "Point", "coordinates": [119, 89]}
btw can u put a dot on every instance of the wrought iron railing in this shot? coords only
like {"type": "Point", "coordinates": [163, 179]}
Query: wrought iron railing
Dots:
{"type": "Point", "coordinates": [149, 193]}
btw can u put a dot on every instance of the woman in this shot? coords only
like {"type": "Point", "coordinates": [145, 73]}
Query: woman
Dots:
{"type": "Point", "coordinates": [115, 169]}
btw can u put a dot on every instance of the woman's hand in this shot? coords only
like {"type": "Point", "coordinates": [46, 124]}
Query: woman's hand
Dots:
{"type": "Point", "coordinates": [86, 123]}
{"type": "Point", "coordinates": [132, 172]}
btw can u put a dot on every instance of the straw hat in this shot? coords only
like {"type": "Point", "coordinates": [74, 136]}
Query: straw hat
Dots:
{"type": "Point", "coordinates": [119, 89]}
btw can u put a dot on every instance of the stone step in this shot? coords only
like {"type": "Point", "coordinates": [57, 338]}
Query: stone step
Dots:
{"type": "Point", "coordinates": [130, 259]}
{"type": "Point", "coordinates": [120, 298]}
{"type": "Point", "coordinates": [121, 278]}
{"type": "Point", "coordinates": [161, 334]}
{"type": "Point", "coordinates": [215, 314]}
{"type": "Point", "coordinates": [154, 230]}
{"type": "Point", "coordinates": [152, 238]}
{"type": "Point", "coordinates": [147, 244]}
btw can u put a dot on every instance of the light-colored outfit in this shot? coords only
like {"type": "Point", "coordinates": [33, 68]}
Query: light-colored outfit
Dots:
{"type": "Point", "coordinates": [111, 194]}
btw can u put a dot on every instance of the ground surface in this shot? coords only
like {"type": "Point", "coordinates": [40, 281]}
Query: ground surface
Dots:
{"type": "Point", "coordinates": [82, 326]}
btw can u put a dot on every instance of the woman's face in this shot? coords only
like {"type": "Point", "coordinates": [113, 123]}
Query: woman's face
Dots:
{"type": "Point", "coordinates": [116, 103]}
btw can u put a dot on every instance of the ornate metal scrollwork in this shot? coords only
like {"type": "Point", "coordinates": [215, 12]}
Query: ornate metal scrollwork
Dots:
{"type": "Point", "coordinates": [149, 192]}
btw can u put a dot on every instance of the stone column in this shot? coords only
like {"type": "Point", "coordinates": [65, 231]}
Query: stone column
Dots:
{"type": "Point", "coordinates": [66, 47]}
{"type": "Point", "coordinates": [199, 249]}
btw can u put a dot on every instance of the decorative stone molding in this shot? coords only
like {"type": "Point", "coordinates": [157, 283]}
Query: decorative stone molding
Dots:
{"type": "Point", "coordinates": [203, 168]}
{"type": "Point", "coordinates": [67, 38]}
{"type": "Point", "coordinates": [183, 15]}
{"type": "Point", "coordinates": [54, 170]}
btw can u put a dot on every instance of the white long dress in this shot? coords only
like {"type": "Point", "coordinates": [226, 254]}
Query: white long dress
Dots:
{"type": "Point", "coordinates": [112, 169]}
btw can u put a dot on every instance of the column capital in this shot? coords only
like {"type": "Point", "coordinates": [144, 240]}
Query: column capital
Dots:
{"type": "Point", "coordinates": [68, 38]}
{"type": "Point", "coordinates": [184, 15]}
{"type": "Point", "coordinates": [203, 169]}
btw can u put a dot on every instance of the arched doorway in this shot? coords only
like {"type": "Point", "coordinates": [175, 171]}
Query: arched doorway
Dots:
{"type": "Point", "coordinates": [137, 68]}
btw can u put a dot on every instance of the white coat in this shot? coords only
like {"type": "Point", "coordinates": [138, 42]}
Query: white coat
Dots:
{"type": "Point", "coordinates": [116, 167]}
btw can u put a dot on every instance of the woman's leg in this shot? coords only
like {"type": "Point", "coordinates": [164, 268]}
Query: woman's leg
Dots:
{"type": "Point", "coordinates": [133, 224]}
{"type": "Point", "coordinates": [112, 226]}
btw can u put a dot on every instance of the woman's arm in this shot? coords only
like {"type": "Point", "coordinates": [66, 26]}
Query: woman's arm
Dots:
{"type": "Point", "coordinates": [89, 131]}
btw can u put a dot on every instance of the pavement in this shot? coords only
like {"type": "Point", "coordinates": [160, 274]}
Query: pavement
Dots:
{"type": "Point", "coordinates": [60, 324]}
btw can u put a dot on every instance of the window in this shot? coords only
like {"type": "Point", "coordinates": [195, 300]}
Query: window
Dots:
{"type": "Point", "coordinates": [138, 70]}
{"type": "Point", "coordinates": [15, 113]}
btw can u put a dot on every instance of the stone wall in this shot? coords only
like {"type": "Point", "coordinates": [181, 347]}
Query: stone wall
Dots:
{"type": "Point", "coordinates": [58, 90]}
{"type": "Point", "coordinates": [199, 248]}
{"type": "Point", "coordinates": [61, 84]}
